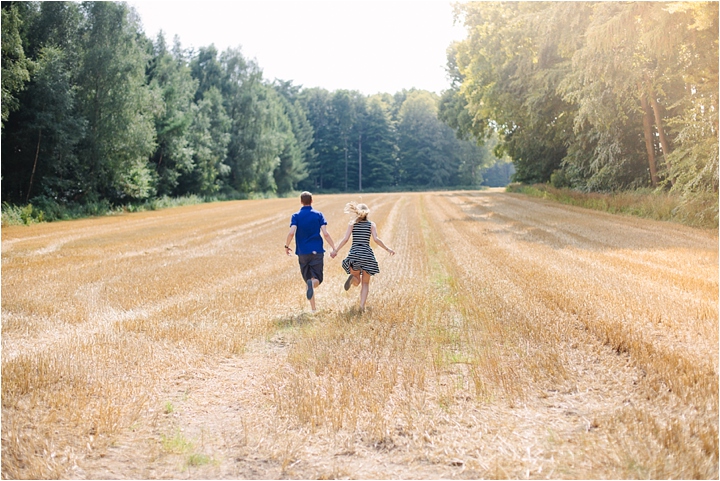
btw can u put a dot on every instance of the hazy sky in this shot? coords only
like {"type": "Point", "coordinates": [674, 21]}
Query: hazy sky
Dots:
{"type": "Point", "coordinates": [370, 46]}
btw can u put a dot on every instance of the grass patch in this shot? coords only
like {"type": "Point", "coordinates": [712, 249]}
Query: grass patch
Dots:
{"type": "Point", "coordinates": [43, 209]}
{"type": "Point", "coordinates": [176, 444]}
{"type": "Point", "coordinates": [698, 211]}
{"type": "Point", "coordinates": [198, 459]}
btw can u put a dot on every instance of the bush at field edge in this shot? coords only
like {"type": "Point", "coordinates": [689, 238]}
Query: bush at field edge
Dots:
{"type": "Point", "coordinates": [698, 211]}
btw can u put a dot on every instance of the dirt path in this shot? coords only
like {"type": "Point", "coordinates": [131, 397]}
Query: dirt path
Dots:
{"type": "Point", "coordinates": [508, 338]}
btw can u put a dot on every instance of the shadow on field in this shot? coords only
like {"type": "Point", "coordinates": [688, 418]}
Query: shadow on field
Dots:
{"type": "Point", "coordinates": [559, 226]}
{"type": "Point", "coordinates": [349, 315]}
{"type": "Point", "coordinates": [353, 314]}
{"type": "Point", "coordinates": [295, 320]}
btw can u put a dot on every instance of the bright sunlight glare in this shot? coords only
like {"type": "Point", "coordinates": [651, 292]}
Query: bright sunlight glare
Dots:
{"type": "Point", "coordinates": [369, 46]}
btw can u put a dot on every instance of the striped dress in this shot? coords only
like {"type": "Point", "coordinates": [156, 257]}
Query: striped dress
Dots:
{"type": "Point", "coordinates": [361, 255]}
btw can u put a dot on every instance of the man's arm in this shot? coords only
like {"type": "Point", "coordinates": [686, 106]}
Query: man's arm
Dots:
{"type": "Point", "coordinates": [326, 235]}
{"type": "Point", "coordinates": [290, 236]}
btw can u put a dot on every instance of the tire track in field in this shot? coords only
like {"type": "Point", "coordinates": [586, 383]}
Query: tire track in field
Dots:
{"type": "Point", "coordinates": [102, 315]}
{"type": "Point", "coordinates": [561, 422]}
{"type": "Point", "coordinates": [569, 401]}
{"type": "Point", "coordinates": [224, 409]}
{"type": "Point", "coordinates": [684, 301]}
{"type": "Point", "coordinates": [219, 417]}
{"type": "Point", "coordinates": [562, 427]}
{"type": "Point", "coordinates": [62, 233]}
{"type": "Point", "coordinates": [178, 246]}
{"type": "Point", "coordinates": [612, 386]}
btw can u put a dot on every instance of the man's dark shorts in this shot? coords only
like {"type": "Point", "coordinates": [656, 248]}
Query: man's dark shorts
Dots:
{"type": "Point", "coordinates": [311, 266]}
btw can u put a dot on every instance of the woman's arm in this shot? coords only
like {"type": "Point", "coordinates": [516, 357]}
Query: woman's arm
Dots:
{"type": "Point", "coordinates": [373, 230]}
{"type": "Point", "coordinates": [344, 240]}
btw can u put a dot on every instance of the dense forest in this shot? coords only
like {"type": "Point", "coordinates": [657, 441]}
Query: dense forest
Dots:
{"type": "Point", "coordinates": [594, 96]}
{"type": "Point", "coordinates": [93, 110]}
{"type": "Point", "coordinates": [597, 96]}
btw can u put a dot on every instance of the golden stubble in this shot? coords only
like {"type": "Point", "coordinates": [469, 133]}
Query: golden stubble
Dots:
{"type": "Point", "coordinates": [507, 338]}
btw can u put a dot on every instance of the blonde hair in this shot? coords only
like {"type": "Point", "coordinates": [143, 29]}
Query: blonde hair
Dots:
{"type": "Point", "coordinates": [360, 211]}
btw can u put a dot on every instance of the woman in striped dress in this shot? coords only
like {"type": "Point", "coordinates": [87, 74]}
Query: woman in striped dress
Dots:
{"type": "Point", "coordinates": [360, 263]}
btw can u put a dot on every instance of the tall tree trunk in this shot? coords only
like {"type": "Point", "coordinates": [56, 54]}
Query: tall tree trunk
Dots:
{"type": "Point", "coordinates": [346, 164]}
{"type": "Point", "coordinates": [649, 145]}
{"type": "Point", "coordinates": [657, 111]}
{"type": "Point", "coordinates": [32, 175]}
{"type": "Point", "coordinates": [360, 162]}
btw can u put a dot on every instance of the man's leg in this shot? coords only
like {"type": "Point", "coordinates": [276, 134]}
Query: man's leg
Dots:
{"type": "Point", "coordinates": [306, 269]}
{"type": "Point", "coordinates": [312, 284]}
{"type": "Point", "coordinates": [316, 268]}
{"type": "Point", "coordinates": [310, 289]}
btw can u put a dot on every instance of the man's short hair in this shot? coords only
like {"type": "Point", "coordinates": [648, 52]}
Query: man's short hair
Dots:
{"type": "Point", "coordinates": [306, 198]}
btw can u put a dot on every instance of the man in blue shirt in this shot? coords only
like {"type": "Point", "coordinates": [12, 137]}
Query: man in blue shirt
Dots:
{"type": "Point", "coordinates": [306, 225]}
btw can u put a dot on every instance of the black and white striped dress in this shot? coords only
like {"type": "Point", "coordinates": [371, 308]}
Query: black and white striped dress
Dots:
{"type": "Point", "coordinates": [361, 256]}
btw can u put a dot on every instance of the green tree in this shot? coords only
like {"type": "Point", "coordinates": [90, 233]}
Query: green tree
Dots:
{"type": "Point", "coordinates": [693, 161]}
{"type": "Point", "coordinates": [345, 117]}
{"type": "Point", "coordinates": [206, 69]}
{"type": "Point", "coordinates": [302, 128]}
{"type": "Point", "coordinates": [40, 140]}
{"type": "Point", "coordinates": [425, 144]}
{"type": "Point", "coordinates": [264, 154]}
{"type": "Point", "coordinates": [510, 67]}
{"type": "Point", "coordinates": [40, 148]}
{"type": "Point", "coordinates": [453, 106]}
{"type": "Point", "coordinates": [336, 118]}
{"type": "Point", "coordinates": [169, 78]}
{"type": "Point", "coordinates": [253, 149]}
{"type": "Point", "coordinates": [607, 95]}
{"type": "Point", "coordinates": [15, 66]}
{"type": "Point", "coordinates": [209, 136]}
{"type": "Point", "coordinates": [117, 105]}
{"type": "Point", "coordinates": [302, 131]}
{"type": "Point", "coordinates": [472, 160]}
{"type": "Point", "coordinates": [379, 146]}
{"type": "Point", "coordinates": [641, 69]}
{"type": "Point", "coordinates": [316, 102]}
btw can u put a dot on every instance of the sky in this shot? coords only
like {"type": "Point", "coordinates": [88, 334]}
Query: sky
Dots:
{"type": "Point", "coordinates": [366, 45]}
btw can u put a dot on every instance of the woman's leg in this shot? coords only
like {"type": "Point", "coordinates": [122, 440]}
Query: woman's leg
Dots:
{"type": "Point", "coordinates": [356, 276]}
{"type": "Point", "coordinates": [364, 289]}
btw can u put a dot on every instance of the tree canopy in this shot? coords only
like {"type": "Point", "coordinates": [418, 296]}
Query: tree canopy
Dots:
{"type": "Point", "coordinates": [597, 96]}
{"type": "Point", "coordinates": [592, 95]}
{"type": "Point", "coordinates": [93, 110]}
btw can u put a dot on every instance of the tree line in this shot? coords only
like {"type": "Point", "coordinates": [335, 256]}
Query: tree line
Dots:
{"type": "Point", "coordinates": [596, 96]}
{"type": "Point", "coordinates": [93, 110]}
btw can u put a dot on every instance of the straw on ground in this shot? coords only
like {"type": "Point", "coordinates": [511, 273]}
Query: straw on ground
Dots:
{"type": "Point", "coordinates": [508, 338]}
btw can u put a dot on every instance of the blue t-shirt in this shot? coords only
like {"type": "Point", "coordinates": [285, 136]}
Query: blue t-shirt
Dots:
{"type": "Point", "coordinates": [307, 235]}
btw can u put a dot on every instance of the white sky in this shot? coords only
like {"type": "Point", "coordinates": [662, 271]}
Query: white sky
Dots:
{"type": "Point", "coordinates": [366, 45]}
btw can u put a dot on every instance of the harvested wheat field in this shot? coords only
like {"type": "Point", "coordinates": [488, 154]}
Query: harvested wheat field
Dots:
{"type": "Point", "coordinates": [508, 338]}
